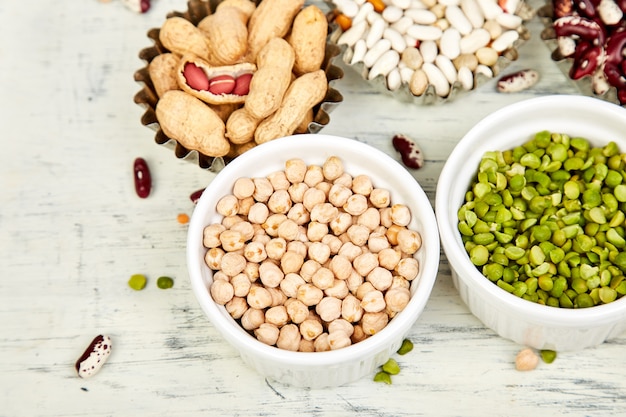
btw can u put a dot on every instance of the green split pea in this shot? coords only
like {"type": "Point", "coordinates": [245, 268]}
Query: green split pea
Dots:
{"type": "Point", "coordinates": [546, 220]}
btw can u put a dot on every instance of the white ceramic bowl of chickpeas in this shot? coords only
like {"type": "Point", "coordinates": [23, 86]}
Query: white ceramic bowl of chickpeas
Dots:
{"type": "Point", "coordinates": [568, 241]}
{"type": "Point", "coordinates": [313, 256]}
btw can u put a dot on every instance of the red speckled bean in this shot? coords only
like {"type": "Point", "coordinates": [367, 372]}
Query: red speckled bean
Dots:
{"type": "Point", "coordinates": [94, 356]}
{"type": "Point", "coordinates": [143, 179]}
{"type": "Point", "coordinates": [411, 154]}
{"type": "Point", "coordinates": [517, 81]}
{"type": "Point", "coordinates": [195, 196]}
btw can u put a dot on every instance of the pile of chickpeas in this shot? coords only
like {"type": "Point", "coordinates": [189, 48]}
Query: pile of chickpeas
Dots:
{"type": "Point", "coordinates": [311, 258]}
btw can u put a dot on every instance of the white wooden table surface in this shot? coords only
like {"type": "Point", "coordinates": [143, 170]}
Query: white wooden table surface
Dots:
{"type": "Point", "coordinates": [72, 231]}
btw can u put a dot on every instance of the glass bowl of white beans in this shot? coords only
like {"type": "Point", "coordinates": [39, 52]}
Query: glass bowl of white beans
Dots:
{"type": "Point", "coordinates": [314, 257]}
{"type": "Point", "coordinates": [553, 277]}
{"type": "Point", "coordinates": [429, 51]}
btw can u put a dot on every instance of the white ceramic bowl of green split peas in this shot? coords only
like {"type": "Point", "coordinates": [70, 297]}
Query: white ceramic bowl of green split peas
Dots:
{"type": "Point", "coordinates": [536, 245]}
{"type": "Point", "coordinates": [284, 346]}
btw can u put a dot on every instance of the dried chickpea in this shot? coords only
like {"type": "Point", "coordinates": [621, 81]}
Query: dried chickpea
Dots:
{"type": "Point", "coordinates": [312, 197]}
{"type": "Point", "coordinates": [308, 269]}
{"type": "Point", "coordinates": [370, 218]}
{"type": "Point", "coordinates": [297, 310]}
{"type": "Point", "coordinates": [338, 195]}
{"type": "Point", "coordinates": [363, 289]}
{"type": "Point", "coordinates": [310, 329]}
{"type": "Point", "coordinates": [245, 228]}
{"type": "Point", "coordinates": [380, 278]}
{"type": "Point", "coordinates": [397, 298]}
{"type": "Point", "coordinates": [270, 274]}
{"type": "Point", "coordinates": [385, 217]}
{"type": "Point", "coordinates": [243, 188]}
{"type": "Point", "coordinates": [288, 230]}
{"type": "Point", "coordinates": [222, 291]}
{"type": "Point", "coordinates": [341, 325]}
{"type": "Point", "coordinates": [373, 302]}
{"type": "Point", "coordinates": [290, 284]}
{"type": "Point", "coordinates": [321, 343]}
{"type": "Point", "coordinates": [278, 297]}
{"type": "Point", "coordinates": [232, 240]}
{"type": "Point", "coordinates": [299, 214]}
{"type": "Point", "coordinates": [255, 252]}
{"type": "Point", "coordinates": [356, 204]}
{"type": "Point", "coordinates": [289, 337]}
{"type": "Point", "coordinates": [279, 180]}
{"type": "Point", "coordinates": [372, 323]}
{"type": "Point", "coordinates": [341, 266]}
{"type": "Point", "coordinates": [526, 360]}
{"type": "Point", "coordinates": [236, 307]}
{"type": "Point", "coordinates": [279, 202]}
{"type": "Point", "coordinates": [409, 241]}
{"type": "Point", "coordinates": [211, 235]}
{"type": "Point", "coordinates": [332, 168]}
{"type": "Point", "coordinates": [252, 271]}
{"type": "Point", "coordinates": [325, 187]}
{"type": "Point", "coordinates": [272, 223]}
{"type": "Point", "coordinates": [400, 282]}
{"type": "Point", "coordinates": [306, 346]}
{"type": "Point", "coordinates": [244, 205]}
{"type": "Point", "coordinates": [313, 175]}
{"type": "Point", "coordinates": [344, 179]}
{"type": "Point", "coordinates": [323, 278]}
{"type": "Point", "coordinates": [341, 223]}
{"type": "Point", "coordinates": [276, 248]}
{"type": "Point", "coordinates": [380, 198]}
{"type": "Point", "coordinates": [392, 233]}
{"type": "Point", "coordinates": [296, 191]}
{"type": "Point", "coordinates": [351, 309]}
{"type": "Point", "coordinates": [400, 215]}
{"type": "Point", "coordinates": [291, 262]}
{"type": "Point", "coordinates": [324, 213]}
{"type": "Point", "coordinates": [316, 231]}
{"type": "Point", "coordinates": [267, 333]}
{"type": "Point", "coordinates": [350, 251]}
{"type": "Point", "coordinates": [329, 308]}
{"type": "Point", "coordinates": [333, 242]}
{"type": "Point", "coordinates": [241, 284]}
{"type": "Point", "coordinates": [358, 234]}
{"type": "Point", "coordinates": [295, 169]}
{"type": "Point", "coordinates": [338, 340]}
{"type": "Point", "coordinates": [309, 294]}
{"type": "Point", "coordinates": [298, 247]}
{"type": "Point", "coordinates": [229, 221]}
{"type": "Point", "coordinates": [220, 275]}
{"type": "Point", "coordinates": [262, 189]}
{"type": "Point", "coordinates": [259, 297]}
{"type": "Point", "coordinates": [319, 252]}
{"type": "Point", "coordinates": [339, 289]}
{"type": "Point", "coordinates": [377, 242]}
{"type": "Point", "coordinates": [358, 335]}
{"type": "Point", "coordinates": [365, 263]}
{"type": "Point", "coordinates": [213, 258]}
{"type": "Point", "coordinates": [408, 268]}
{"type": "Point", "coordinates": [258, 213]}
{"type": "Point", "coordinates": [232, 264]}
{"type": "Point", "coordinates": [389, 258]}
{"type": "Point", "coordinates": [362, 184]}
{"type": "Point", "coordinates": [277, 316]}
{"type": "Point", "coordinates": [252, 318]}
{"type": "Point", "coordinates": [227, 205]}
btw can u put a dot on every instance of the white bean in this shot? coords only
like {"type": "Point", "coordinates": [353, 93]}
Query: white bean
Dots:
{"type": "Point", "coordinates": [474, 41]}
{"type": "Point", "coordinates": [373, 16]}
{"type": "Point", "coordinates": [489, 8]}
{"type": "Point", "coordinates": [352, 35]}
{"type": "Point", "coordinates": [424, 32]}
{"type": "Point", "coordinates": [397, 40]}
{"type": "Point", "coordinates": [360, 49]}
{"type": "Point", "coordinates": [365, 9]}
{"type": "Point", "coordinates": [505, 41]}
{"type": "Point", "coordinates": [484, 70]}
{"type": "Point", "coordinates": [450, 42]}
{"type": "Point", "coordinates": [457, 18]}
{"type": "Point", "coordinates": [403, 4]}
{"type": "Point", "coordinates": [394, 79]}
{"type": "Point", "coordinates": [392, 14]}
{"type": "Point", "coordinates": [375, 33]}
{"type": "Point", "coordinates": [449, 2]}
{"type": "Point", "coordinates": [421, 16]}
{"type": "Point", "coordinates": [429, 52]}
{"type": "Point", "coordinates": [405, 74]}
{"type": "Point", "coordinates": [375, 52]}
{"type": "Point", "coordinates": [383, 65]}
{"type": "Point", "coordinates": [437, 79]}
{"type": "Point", "coordinates": [509, 21]}
{"type": "Point", "coordinates": [447, 68]}
{"type": "Point", "coordinates": [403, 24]}
{"type": "Point", "coordinates": [348, 7]}
{"type": "Point", "coordinates": [466, 78]}
{"type": "Point", "coordinates": [473, 13]}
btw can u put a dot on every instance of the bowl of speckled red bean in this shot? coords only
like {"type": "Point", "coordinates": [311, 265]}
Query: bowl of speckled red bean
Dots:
{"type": "Point", "coordinates": [531, 210]}
{"type": "Point", "coordinates": [314, 257]}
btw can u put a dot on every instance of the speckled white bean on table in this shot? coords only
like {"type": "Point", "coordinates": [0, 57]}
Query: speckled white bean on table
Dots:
{"type": "Point", "coordinates": [72, 231]}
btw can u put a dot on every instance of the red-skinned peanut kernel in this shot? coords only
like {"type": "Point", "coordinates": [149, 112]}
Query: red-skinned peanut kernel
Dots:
{"type": "Point", "coordinates": [143, 179]}
{"type": "Point", "coordinates": [195, 77]}
{"type": "Point", "coordinates": [242, 85]}
{"type": "Point", "coordinates": [222, 84]}
{"type": "Point", "coordinates": [411, 154]}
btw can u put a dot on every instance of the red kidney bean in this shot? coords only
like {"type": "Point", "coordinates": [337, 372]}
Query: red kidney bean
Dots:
{"type": "Point", "coordinates": [195, 196]}
{"type": "Point", "coordinates": [410, 153]}
{"type": "Point", "coordinates": [143, 179]}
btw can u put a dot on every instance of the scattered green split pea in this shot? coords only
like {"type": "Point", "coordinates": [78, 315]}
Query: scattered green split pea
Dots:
{"type": "Point", "coordinates": [391, 367]}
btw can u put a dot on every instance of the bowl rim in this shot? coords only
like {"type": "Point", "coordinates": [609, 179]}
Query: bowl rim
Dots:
{"type": "Point", "coordinates": [235, 334]}
{"type": "Point", "coordinates": [447, 221]}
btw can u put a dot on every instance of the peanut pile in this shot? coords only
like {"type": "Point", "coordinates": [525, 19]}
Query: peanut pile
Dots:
{"type": "Point", "coordinates": [245, 75]}
{"type": "Point", "coordinates": [311, 258]}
